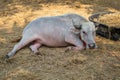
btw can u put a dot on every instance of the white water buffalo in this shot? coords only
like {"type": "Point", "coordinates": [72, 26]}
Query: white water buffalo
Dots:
{"type": "Point", "coordinates": [57, 31]}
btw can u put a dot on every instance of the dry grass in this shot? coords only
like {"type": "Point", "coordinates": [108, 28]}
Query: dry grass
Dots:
{"type": "Point", "coordinates": [54, 64]}
{"type": "Point", "coordinates": [112, 20]}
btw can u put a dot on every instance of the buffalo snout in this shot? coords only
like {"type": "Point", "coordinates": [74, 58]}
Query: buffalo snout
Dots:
{"type": "Point", "coordinates": [92, 45]}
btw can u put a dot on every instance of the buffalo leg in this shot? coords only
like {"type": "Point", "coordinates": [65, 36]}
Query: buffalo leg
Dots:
{"type": "Point", "coordinates": [34, 47]}
{"type": "Point", "coordinates": [23, 42]}
{"type": "Point", "coordinates": [78, 44]}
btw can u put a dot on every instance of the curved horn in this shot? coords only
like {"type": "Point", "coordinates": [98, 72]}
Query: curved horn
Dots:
{"type": "Point", "coordinates": [77, 26]}
{"type": "Point", "coordinates": [96, 15]}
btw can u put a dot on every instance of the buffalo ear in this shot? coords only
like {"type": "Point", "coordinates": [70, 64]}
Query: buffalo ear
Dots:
{"type": "Point", "coordinates": [78, 27]}
{"type": "Point", "coordinates": [75, 31]}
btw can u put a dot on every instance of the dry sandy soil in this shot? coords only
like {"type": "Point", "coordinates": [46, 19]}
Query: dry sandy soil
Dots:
{"type": "Point", "coordinates": [54, 63]}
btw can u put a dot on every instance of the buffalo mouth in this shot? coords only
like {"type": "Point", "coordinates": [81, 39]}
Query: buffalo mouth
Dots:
{"type": "Point", "coordinates": [89, 46]}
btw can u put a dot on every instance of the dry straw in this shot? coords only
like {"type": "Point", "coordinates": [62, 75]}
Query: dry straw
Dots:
{"type": "Point", "coordinates": [112, 20]}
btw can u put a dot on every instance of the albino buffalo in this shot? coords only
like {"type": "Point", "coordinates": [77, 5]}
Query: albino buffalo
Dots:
{"type": "Point", "coordinates": [57, 31]}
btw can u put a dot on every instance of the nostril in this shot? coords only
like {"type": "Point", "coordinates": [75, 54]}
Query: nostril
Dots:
{"type": "Point", "coordinates": [92, 45]}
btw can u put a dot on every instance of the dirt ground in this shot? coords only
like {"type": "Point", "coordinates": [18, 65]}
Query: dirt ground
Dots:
{"type": "Point", "coordinates": [54, 63]}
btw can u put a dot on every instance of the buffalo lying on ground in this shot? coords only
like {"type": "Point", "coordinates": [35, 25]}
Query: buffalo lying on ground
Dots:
{"type": "Point", "coordinates": [65, 30]}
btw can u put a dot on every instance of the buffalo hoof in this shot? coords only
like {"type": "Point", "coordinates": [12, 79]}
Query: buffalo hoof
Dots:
{"type": "Point", "coordinates": [68, 49]}
{"type": "Point", "coordinates": [6, 57]}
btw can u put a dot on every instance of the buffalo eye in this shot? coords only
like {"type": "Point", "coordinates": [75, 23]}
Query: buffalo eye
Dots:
{"type": "Point", "coordinates": [84, 32]}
